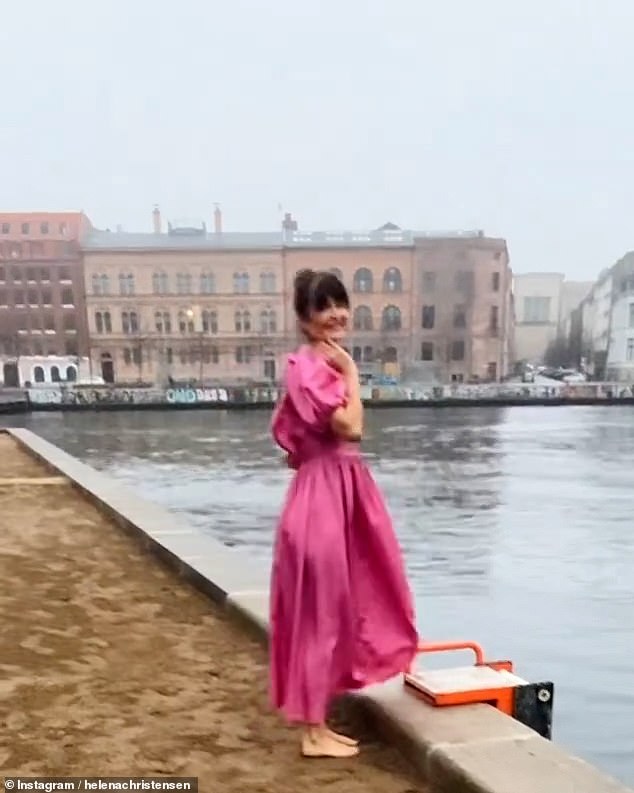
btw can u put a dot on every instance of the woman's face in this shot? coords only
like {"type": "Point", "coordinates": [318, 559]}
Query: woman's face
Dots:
{"type": "Point", "coordinates": [331, 324]}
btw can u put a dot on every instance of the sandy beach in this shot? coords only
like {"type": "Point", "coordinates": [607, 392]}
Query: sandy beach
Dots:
{"type": "Point", "coordinates": [111, 665]}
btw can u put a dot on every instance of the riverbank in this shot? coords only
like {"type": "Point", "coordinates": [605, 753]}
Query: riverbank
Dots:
{"type": "Point", "coordinates": [473, 748]}
{"type": "Point", "coordinates": [113, 665]}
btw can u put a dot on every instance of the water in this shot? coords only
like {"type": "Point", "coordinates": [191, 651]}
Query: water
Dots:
{"type": "Point", "coordinates": [517, 526]}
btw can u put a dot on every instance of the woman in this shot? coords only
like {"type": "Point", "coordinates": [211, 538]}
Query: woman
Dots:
{"type": "Point", "coordinates": [341, 610]}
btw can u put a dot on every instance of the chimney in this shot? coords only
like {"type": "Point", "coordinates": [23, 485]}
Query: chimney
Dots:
{"type": "Point", "coordinates": [217, 219]}
{"type": "Point", "coordinates": [156, 219]}
{"type": "Point", "coordinates": [288, 224]}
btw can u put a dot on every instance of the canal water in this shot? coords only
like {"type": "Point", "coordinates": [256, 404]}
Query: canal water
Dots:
{"type": "Point", "coordinates": [517, 526]}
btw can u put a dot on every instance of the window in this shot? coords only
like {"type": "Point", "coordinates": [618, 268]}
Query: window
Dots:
{"type": "Point", "coordinates": [4, 297]}
{"type": "Point", "coordinates": [47, 296]}
{"type": "Point", "coordinates": [494, 320]}
{"type": "Point", "coordinates": [368, 354]}
{"type": "Point", "coordinates": [55, 375]}
{"type": "Point", "coordinates": [126, 284]}
{"type": "Point", "coordinates": [184, 283]}
{"type": "Point", "coordinates": [70, 322]}
{"type": "Point", "coordinates": [62, 229]}
{"type": "Point", "coordinates": [100, 284]}
{"type": "Point", "coordinates": [427, 351]}
{"type": "Point", "coordinates": [429, 317]}
{"type": "Point", "coordinates": [391, 319]}
{"type": "Point", "coordinates": [492, 371]}
{"type": "Point", "coordinates": [459, 316]}
{"type": "Point", "coordinates": [38, 374]}
{"type": "Point", "coordinates": [71, 374]}
{"type": "Point", "coordinates": [356, 354]}
{"type": "Point", "coordinates": [207, 284]}
{"type": "Point", "coordinates": [536, 310]}
{"type": "Point", "coordinates": [362, 318]}
{"type": "Point", "coordinates": [629, 354]}
{"type": "Point", "coordinates": [185, 321]}
{"type": "Point", "coordinates": [214, 354]}
{"type": "Point", "coordinates": [2, 274]}
{"type": "Point", "coordinates": [127, 356]}
{"type": "Point", "coordinates": [67, 297]}
{"type": "Point", "coordinates": [45, 274]}
{"type": "Point", "coordinates": [495, 282]}
{"type": "Point", "coordinates": [31, 274]}
{"type": "Point", "coordinates": [71, 347]}
{"type": "Point", "coordinates": [18, 296]}
{"type": "Point", "coordinates": [6, 228]}
{"type": "Point", "coordinates": [160, 285]}
{"type": "Point", "coordinates": [163, 322]}
{"type": "Point", "coordinates": [243, 355]}
{"type": "Point", "coordinates": [16, 274]}
{"type": "Point", "coordinates": [129, 322]}
{"type": "Point", "coordinates": [242, 321]}
{"type": "Point", "coordinates": [103, 322]}
{"type": "Point", "coordinates": [268, 321]}
{"type": "Point", "coordinates": [210, 321]}
{"type": "Point", "coordinates": [49, 325]}
{"type": "Point", "coordinates": [241, 283]}
{"type": "Point", "coordinates": [32, 297]}
{"type": "Point", "coordinates": [26, 228]}
{"type": "Point", "coordinates": [631, 322]}
{"type": "Point", "coordinates": [267, 282]}
{"type": "Point", "coordinates": [463, 281]}
{"type": "Point", "coordinates": [169, 355]}
{"type": "Point", "coordinates": [457, 350]}
{"type": "Point", "coordinates": [362, 280]}
{"type": "Point", "coordinates": [44, 228]}
{"type": "Point", "coordinates": [392, 281]}
{"type": "Point", "coordinates": [137, 356]}
{"type": "Point", "coordinates": [64, 274]}
{"type": "Point", "coordinates": [390, 355]}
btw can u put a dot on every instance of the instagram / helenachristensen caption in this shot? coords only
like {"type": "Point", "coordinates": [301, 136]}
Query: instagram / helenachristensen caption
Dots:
{"type": "Point", "coordinates": [100, 783]}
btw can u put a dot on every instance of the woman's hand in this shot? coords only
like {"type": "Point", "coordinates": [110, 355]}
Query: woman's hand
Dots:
{"type": "Point", "coordinates": [338, 357]}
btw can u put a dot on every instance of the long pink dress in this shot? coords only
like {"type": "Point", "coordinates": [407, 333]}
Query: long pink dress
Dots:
{"type": "Point", "coordinates": [341, 610]}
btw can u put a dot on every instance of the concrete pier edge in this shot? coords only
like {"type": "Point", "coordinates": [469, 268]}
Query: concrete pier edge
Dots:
{"type": "Point", "coordinates": [470, 749]}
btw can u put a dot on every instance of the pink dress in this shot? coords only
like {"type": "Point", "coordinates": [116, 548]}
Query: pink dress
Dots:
{"type": "Point", "coordinates": [341, 611]}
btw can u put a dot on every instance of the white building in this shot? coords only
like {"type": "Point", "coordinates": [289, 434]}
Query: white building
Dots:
{"type": "Point", "coordinates": [34, 370]}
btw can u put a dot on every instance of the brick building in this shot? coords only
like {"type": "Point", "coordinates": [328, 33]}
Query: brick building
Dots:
{"type": "Point", "coordinates": [190, 304]}
{"type": "Point", "coordinates": [42, 310]}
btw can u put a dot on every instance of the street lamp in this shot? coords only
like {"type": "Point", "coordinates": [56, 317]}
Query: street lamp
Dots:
{"type": "Point", "coordinates": [191, 315]}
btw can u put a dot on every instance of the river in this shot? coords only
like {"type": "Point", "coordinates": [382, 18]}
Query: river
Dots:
{"type": "Point", "coordinates": [517, 526]}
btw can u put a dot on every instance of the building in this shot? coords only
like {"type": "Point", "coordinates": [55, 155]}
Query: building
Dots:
{"type": "Point", "coordinates": [602, 326]}
{"type": "Point", "coordinates": [188, 304]}
{"type": "Point", "coordinates": [462, 308]}
{"type": "Point", "coordinates": [538, 300]}
{"type": "Point", "coordinates": [42, 310]}
{"type": "Point", "coordinates": [185, 304]}
{"type": "Point", "coordinates": [43, 370]}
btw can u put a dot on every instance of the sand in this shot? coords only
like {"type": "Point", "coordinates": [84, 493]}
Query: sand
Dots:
{"type": "Point", "coordinates": [112, 665]}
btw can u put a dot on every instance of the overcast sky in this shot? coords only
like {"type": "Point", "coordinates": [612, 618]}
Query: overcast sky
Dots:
{"type": "Point", "coordinates": [515, 117]}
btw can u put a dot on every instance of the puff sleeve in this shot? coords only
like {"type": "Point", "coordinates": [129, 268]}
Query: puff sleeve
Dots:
{"type": "Point", "coordinates": [315, 389]}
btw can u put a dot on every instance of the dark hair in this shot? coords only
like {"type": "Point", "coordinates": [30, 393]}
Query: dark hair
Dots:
{"type": "Point", "coordinates": [316, 290]}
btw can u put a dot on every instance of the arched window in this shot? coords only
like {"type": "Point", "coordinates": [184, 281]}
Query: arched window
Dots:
{"type": "Point", "coordinates": [185, 321]}
{"type": "Point", "coordinates": [210, 321]}
{"type": "Point", "coordinates": [391, 318]}
{"type": "Point", "coordinates": [38, 374]}
{"type": "Point", "coordinates": [362, 281]}
{"type": "Point", "coordinates": [268, 321]}
{"type": "Point", "coordinates": [390, 355]}
{"type": "Point", "coordinates": [362, 318]}
{"type": "Point", "coordinates": [242, 320]}
{"type": "Point", "coordinates": [184, 283]}
{"type": "Point", "coordinates": [71, 374]}
{"type": "Point", "coordinates": [207, 284]}
{"type": "Point", "coordinates": [241, 283]}
{"type": "Point", "coordinates": [129, 322]}
{"type": "Point", "coordinates": [159, 283]}
{"type": "Point", "coordinates": [336, 271]}
{"type": "Point", "coordinates": [392, 281]}
{"type": "Point", "coordinates": [55, 376]}
{"type": "Point", "coordinates": [267, 282]}
{"type": "Point", "coordinates": [126, 284]}
{"type": "Point", "coordinates": [163, 322]}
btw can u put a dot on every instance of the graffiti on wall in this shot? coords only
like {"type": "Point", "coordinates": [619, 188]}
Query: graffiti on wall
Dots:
{"type": "Point", "coordinates": [66, 395]}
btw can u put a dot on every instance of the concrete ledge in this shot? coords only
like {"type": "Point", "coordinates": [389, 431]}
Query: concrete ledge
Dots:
{"type": "Point", "coordinates": [469, 749]}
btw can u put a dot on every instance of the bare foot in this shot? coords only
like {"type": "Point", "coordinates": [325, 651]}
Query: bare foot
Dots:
{"type": "Point", "coordinates": [344, 739]}
{"type": "Point", "coordinates": [320, 743]}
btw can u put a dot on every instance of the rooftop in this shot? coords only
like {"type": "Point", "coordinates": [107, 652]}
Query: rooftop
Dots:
{"type": "Point", "coordinates": [257, 240]}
